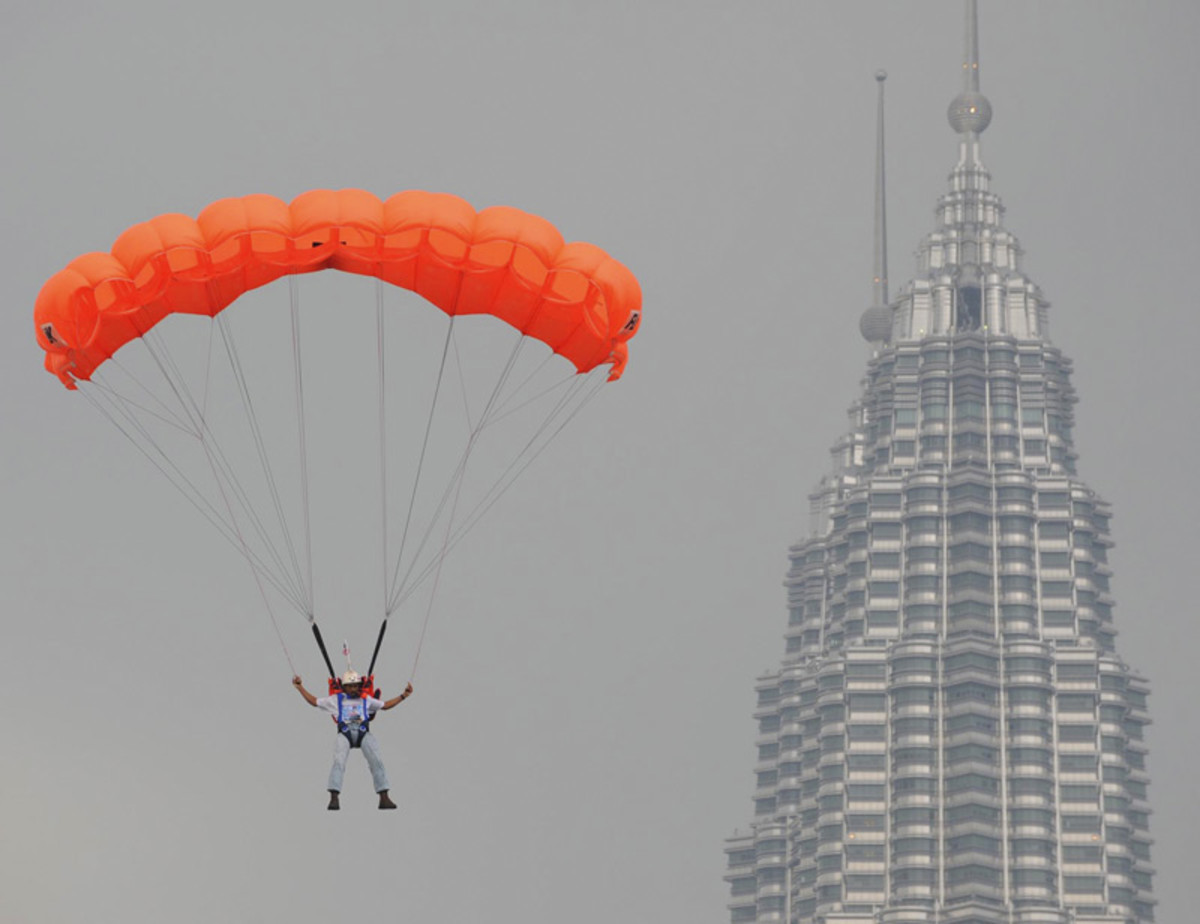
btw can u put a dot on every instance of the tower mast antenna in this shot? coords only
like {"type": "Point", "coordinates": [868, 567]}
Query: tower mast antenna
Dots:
{"type": "Point", "coordinates": [881, 277]}
{"type": "Point", "coordinates": [875, 324]}
{"type": "Point", "coordinates": [971, 49]}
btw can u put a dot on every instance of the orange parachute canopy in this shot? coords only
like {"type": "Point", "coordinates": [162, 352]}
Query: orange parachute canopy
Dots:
{"type": "Point", "coordinates": [501, 261]}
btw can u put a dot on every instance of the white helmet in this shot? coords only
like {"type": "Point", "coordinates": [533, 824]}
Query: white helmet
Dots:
{"type": "Point", "coordinates": [351, 677]}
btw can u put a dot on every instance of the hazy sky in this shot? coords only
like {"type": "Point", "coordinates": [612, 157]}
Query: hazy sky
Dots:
{"type": "Point", "coordinates": [580, 742]}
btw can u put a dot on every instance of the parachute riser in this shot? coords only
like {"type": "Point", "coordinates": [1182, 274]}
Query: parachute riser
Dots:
{"type": "Point", "coordinates": [378, 642]}
{"type": "Point", "coordinates": [324, 653]}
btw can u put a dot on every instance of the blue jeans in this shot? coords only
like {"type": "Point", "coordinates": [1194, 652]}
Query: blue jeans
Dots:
{"type": "Point", "coordinates": [370, 749]}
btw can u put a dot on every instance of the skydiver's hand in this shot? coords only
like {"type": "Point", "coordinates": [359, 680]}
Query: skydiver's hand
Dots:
{"type": "Point", "coordinates": [297, 682]}
{"type": "Point", "coordinates": [399, 699]}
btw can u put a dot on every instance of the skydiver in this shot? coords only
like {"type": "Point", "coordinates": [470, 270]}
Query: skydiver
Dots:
{"type": "Point", "coordinates": [353, 713]}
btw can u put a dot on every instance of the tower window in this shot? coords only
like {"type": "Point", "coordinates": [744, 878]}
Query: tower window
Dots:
{"type": "Point", "coordinates": [970, 308]}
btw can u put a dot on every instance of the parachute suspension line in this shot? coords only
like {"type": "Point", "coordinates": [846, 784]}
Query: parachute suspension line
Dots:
{"type": "Point", "coordinates": [454, 485]}
{"type": "Point", "coordinates": [501, 413]}
{"type": "Point", "coordinates": [178, 480]}
{"type": "Point", "coordinates": [162, 356]}
{"type": "Point", "coordinates": [383, 437]}
{"type": "Point", "coordinates": [449, 491]}
{"type": "Point", "coordinates": [262, 591]}
{"type": "Point", "coordinates": [383, 505]}
{"type": "Point", "coordinates": [260, 447]}
{"type": "Point", "coordinates": [462, 384]}
{"type": "Point", "coordinates": [564, 401]}
{"type": "Point", "coordinates": [207, 371]}
{"type": "Point", "coordinates": [441, 558]}
{"type": "Point", "coordinates": [216, 521]}
{"type": "Point", "coordinates": [155, 341]}
{"type": "Point", "coordinates": [223, 469]}
{"type": "Point", "coordinates": [497, 491]}
{"type": "Point", "coordinates": [171, 419]}
{"type": "Point", "coordinates": [500, 487]}
{"type": "Point", "coordinates": [294, 292]}
{"type": "Point", "coordinates": [412, 500]}
{"type": "Point", "coordinates": [209, 452]}
{"type": "Point", "coordinates": [502, 381]}
{"type": "Point", "coordinates": [157, 348]}
{"type": "Point", "coordinates": [469, 523]}
{"type": "Point", "coordinates": [150, 338]}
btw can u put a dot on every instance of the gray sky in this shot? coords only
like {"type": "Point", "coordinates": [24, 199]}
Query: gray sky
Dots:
{"type": "Point", "coordinates": [580, 741]}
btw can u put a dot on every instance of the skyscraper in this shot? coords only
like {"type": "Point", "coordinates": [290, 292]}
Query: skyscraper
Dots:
{"type": "Point", "coordinates": [951, 736]}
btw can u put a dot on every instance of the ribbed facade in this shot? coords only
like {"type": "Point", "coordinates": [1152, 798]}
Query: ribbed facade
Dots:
{"type": "Point", "coordinates": [951, 736]}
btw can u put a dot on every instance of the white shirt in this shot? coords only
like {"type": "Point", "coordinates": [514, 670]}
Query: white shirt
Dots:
{"type": "Point", "coordinates": [354, 711]}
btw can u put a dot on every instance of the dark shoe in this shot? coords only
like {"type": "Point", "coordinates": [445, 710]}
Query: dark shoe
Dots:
{"type": "Point", "coordinates": [334, 805]}
{"type": "Point", "coordinates": [385, 801]}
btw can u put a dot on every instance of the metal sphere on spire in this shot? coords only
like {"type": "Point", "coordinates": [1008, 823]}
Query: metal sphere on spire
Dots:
{"type": "Point", "coordinates": [969, 112]}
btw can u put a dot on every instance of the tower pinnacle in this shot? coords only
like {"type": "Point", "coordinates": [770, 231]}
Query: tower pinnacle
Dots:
{"type": "Point", "coordinates": [970, 112]}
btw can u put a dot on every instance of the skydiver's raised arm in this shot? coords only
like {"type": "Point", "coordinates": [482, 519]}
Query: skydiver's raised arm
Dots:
{"type": "Point", "coordinates": [308, 697]}
{"type": "Point", "coordinates": [397, 700]}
